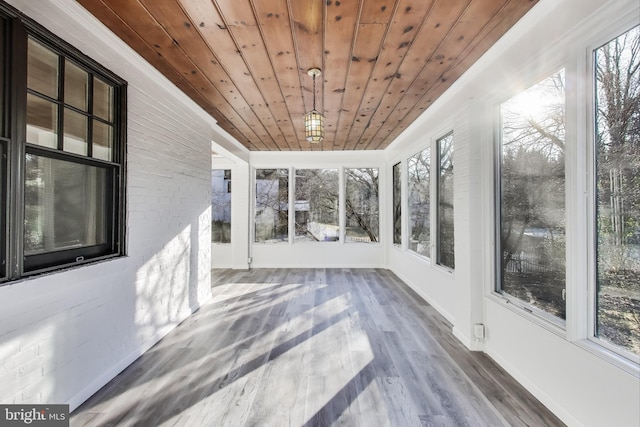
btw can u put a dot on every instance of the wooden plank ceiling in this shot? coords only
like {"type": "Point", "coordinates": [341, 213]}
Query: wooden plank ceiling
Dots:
{"type": "Point", "coordinates": [245, 62]}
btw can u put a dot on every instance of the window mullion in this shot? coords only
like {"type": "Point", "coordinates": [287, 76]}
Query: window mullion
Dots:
{"type": "Point", "coordinates": [292, 201]}
{"type": "Point", "coordinates": [16, 151]}
{"type": "Point", "coordinates": [90, 117]}
{"type": "Point", "coordinates": [60, 102]}
{"type": "Point", "coordinates": [342, 220]}
{"type": "Point", "coordinates": [434, 205]}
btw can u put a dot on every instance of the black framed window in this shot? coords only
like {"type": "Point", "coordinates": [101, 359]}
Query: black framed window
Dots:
{"type": "Point", "coordinates": [64, 119]}
{"type": "Point", "coordinates": [4, 202]}
{"type": "Point", "coordinates": [3, 208]}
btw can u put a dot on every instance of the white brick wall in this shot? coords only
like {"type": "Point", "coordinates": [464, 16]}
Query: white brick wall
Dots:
{"type": "Point", "coordinates": [64, 335]}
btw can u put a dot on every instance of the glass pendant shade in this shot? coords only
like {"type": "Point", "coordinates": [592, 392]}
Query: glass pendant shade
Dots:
{"type": "Point", "coordinates": [313, 126]}
{"type": "Point", "coordinates": [313, 120]}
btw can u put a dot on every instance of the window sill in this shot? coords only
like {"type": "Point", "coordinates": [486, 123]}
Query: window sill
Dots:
{"type": "Point", "coordinates": [372, 244]}
{"type": "Point", "coordinates": [418, 256]}
{"type": "Point", "coordinates": [558, 328]}
{"type": "Point", "coordinates": [629, 366]}
{"type": "Point", "coordinates": [444, 270]}
{"type": "Point", "coordinates": [34, 275]}
{"type": "Point", "coordinates": [545, 321]}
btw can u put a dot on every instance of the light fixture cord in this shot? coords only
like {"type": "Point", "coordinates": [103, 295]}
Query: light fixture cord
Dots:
{"type": "Point", "coordinates": [314, 91]}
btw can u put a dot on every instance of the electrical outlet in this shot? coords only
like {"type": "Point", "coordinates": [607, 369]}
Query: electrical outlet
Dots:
{"type": "Point", "coordinates": [478, 331]}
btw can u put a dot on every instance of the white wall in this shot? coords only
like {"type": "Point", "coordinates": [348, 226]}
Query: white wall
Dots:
{"type": "Point", "coordinates": [65, 334]}
{"type": "Point", "coordinates": [577, 379]}
{"type": "Point", "coordinates": [236, 253]}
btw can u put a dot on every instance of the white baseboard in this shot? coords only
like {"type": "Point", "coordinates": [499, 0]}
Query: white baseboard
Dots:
{"type": "Point", "coordinates": [101, 380]}
{"type": "Point", "coordinates": [531, 386]}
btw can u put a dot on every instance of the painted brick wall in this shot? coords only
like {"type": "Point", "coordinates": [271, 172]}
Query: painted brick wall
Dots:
{"type": "Point", "coordinates": [64, 335]}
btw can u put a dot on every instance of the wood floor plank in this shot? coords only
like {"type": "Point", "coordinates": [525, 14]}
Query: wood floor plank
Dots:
{"type": "Point", "coordinates": [312, 347]}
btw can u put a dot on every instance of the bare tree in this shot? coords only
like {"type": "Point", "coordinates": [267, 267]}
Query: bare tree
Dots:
{"type": "Point", "coordinates": [617, 134]}
{"type": "Point", "coordinates": [617, 68]}
{"type": "Point", "coordinates": [272, 204]}
{"type": "Point", "coordinates": [419, 176]}
{"type": "Point", "coordinates": [532, 187]}
{"type": "Point", "coordinates": [361, 201]}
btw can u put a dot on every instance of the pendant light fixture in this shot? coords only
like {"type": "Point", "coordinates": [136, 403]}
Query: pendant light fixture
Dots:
{"type": "Point", "coordinates": [313, 120]}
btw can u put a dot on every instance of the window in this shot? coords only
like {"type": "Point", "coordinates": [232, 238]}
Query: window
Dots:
{"type": "Point", "coordinates": [397, 205]}
{"type": "Point", "coordinates": [3, 209]}
{"type": "Point", "coordinates": [67, 176]}
{"type": "Point", "coordinates": [4, 202]}
{"type": "Point", "coordinates": [316, 205]}
{"type": "Point", "coordinates": [3, 66]}
{"type": "Point", "coordinates": [445, 243]}
{"type": "Point", "coordinates": [221, 205]}
{"type": "Point", "coordinates": [531, 249]}
{"type": "Point", "coordinates": [272, 205]}
{"type": "Point", "coordinates": [66, 206]}
{"type": "Point", "coordinates": [361, 205]}
{"type": "Point", "coordinates": [419, 203]}
{"type": "Point", "coordinates": [617, 191]}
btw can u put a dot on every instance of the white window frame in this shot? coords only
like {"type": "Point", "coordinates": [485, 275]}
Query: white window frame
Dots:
{"type": "Point", "coordinates": [575, 55]}
{"type": "Point", "coordinates": [436, 204]}
{"type": "Point", "coordinates": [405, 205]}
{"type": "Point", "coordinates": [342, 220]}
{"type": "Point", "coordinates": [343, 205]}
{"type": "Point", "coordinates": [585, 330]}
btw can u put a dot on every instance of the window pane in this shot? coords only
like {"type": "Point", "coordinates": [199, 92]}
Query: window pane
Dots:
{"type": "Point", "coordinates": [618, 191]}
{"type": "Point", "coordinates": [316, 205]}
{"type": "Point", "coordinates": [76, 86]}
{"type": "Point", "coordinates": [532, 199]}
{"type": "Point", "coordinates": [272, 205]}
{"type": "Point", "coordinates": [361, 205]}
{"type": "Point", "coordinates": [220, 206]}
{"type": "Point", "coordinates": [446, 253]}
{"type": "Point", "coordinates": [42, 70]}
{"type": "Point", "coordinates": [419, 219]}
{"type": "Point", "coordinates": [66, 205]}
{"type": "Point", "coordinates": [102, 100]}
{"type": "Point", "coordinates": [102, 141]}
{"type": "Point", "coordinates": [42, 122]}
{"type": "Point", "coordinates": [397, 205]}
{"type": "Point", "coordinates": [75, 132]}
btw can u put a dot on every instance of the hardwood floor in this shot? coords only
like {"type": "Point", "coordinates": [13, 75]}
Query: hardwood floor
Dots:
{"type": "Point", "coordinates": [312, 347]}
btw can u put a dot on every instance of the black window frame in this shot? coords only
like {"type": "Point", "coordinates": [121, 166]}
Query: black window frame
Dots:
{"type": "Point", "coordinates": [4, 143]}
{"type": "Point", "coordinates": [18, 28]}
